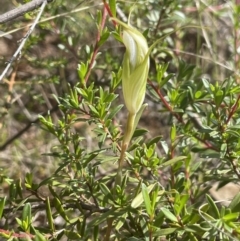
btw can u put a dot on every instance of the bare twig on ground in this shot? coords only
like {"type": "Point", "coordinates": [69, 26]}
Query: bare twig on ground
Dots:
{"type": "Point", "coordinates": [52, 17]}
{"type": "Point", "coordinates": [21, 132]}
{"type": "Point", "coordinates": [23, 41]}
{"type": "Point", "coordinates": [14, 13]}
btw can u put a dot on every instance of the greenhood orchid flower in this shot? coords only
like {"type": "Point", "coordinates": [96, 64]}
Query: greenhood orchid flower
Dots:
{"type": "Point", "coordinates": [135, 67]}
{"type": "Point", "coordinates": [134, 76]}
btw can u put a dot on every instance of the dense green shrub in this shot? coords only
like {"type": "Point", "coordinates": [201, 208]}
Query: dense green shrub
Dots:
{"type": "Point", "coordinates": [188, 141]}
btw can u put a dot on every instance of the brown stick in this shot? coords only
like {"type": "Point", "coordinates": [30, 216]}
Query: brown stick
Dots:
{"type": "Point", "coordinates": [12, 14]}
{"type": "Point", "coordinates": [25, 129]}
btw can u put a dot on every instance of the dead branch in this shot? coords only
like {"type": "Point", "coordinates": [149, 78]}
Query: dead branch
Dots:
{"type": "Point", "coordinates": [14, 13]}
{"type": "Point", "coordinates": [23, 41]}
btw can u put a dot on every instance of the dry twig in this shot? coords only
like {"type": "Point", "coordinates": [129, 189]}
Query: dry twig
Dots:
{"type": "Point", "coordinates": [23, 41]}
{"type": "Point", "coordinates": [14, 13]}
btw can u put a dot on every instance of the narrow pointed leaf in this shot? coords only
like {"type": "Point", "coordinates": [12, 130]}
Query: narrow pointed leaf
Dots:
{"type": "Point", "coordinates": [138, 200]}
{"type": "Point", "coordinates": [213, 207]}
{"type": "Point", "coordinates": [112, 5]}
{"type": "Point", "coordinates": [169, 215]}
{"type": "Point", "coordinates": [146, 199]}
{"type": "Point", "coordinates": [2, 204]}
{"type": "Point", "coordinates": [49, 214]}
{"type": "Point", "coordinates": [173, 161]}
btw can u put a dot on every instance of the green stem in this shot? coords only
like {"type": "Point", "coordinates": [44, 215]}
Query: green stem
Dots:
{"type": "Point", "coordinates": [129, 129]}
{"type": "Point", "coordinates": [126, 140]}
{"type": "Point", "coordinates": [109, 229]}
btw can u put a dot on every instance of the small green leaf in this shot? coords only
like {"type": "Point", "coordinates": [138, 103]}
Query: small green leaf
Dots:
{"type": "Point", "coordinates": [235, 203]}
{"type": "Point", "coordinates": [72, 235]}
{"type": "Point", "coordinates": [27, 216]}
{"type": "Point", "coordinates": [19, 221]}
{"type": "Point", "coordinates": [165, 80]}
{"type": "Point", "coordinates": [52, 191]}
{"type": "Point", "coordinates": [112, 5]}
{"type": "Point", "coordinates": [104, 189]}
{"type": "Point", "coordinates": [114, 111]}
{"type": "Point", "coordinates": [49, 214]}
{"type": "Point", "coordinates": [99, 18]}
{"type": "Point", "coordinates": [183, 200]}
{"type": "Point", "coordinates": [138, 116]}
{"type": "Point", "coordinates": [94, 110]}
{"type": "Point", "coordinates": [159, 219]}
{"type": "Point", "coordinates": [173, 133]}
{"type": "Point", "coordinates": [138, 200]}
{"type": "Point", "coordinates": [113, 213]}
{"type": "Point", "coordinates": [231, 217]}
{"type": "Point", "coordinates": [39, 236]}
{"type": "Point", "coordinates": [103, 38]}
{"type": "Point", "coordinates": [173, 161]}
{"type": "Point", "coordinates": [58, 205]}
{"type": "Point", "coordinates": [82, 70]}
{"type": "Point", "coordinates": [198, 94]}
{"type": "Point", "coordinates": [121, 221]}
{"type": "Point", "coordinates": [207, 216]}
{"type": "Point", "coordinates": [154, 141]}
{"type": "Point", "coordinates": [196, 228]}
{"type": "Point", "coordinates": [213, 207]}
{"type": "Point", "coordinates": [139, 132]}
{"type": "Point", "coordinates": [164, 231]}
{"type": "Point", "coordinates": [28, 180]}
{"type": "Point", "coordinates": [146, 199]}
{"type": "Point", "coordinates": [219, 95]}
{"type": "Point", "coordinates": [169, 215]}
{"type": "Point", "coordinates": [2, 204]}
{"type": "Point", "coordinates": [206, 83]}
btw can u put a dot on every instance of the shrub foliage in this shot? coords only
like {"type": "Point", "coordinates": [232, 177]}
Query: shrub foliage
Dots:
{"type": "Point", "coordinates": [187, 139]}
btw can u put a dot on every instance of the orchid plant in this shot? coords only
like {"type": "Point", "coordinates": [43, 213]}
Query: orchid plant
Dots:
{"type": "Point", "coordinates": [134, 79]}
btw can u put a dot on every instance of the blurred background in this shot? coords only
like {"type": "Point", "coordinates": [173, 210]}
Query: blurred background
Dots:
{"type": "Point", "coordinates": [47, 66]}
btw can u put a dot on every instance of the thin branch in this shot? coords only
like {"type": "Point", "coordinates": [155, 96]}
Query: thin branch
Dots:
{"type": "Point", "coordinates": [169, 108]}
{"type": "Point", "coordinates": [51, 18]}
{"type": "Point", "coordinates": [41, 206]}
{"type": "Point", "coordinates": [233, 110]}
{"type": "Point", "coordinates": [29, 125]}
{"type": "Point", "coordinates": [24, 39]}
{"type": "Point", "coordinates": [178, 117]}
{"type": "Point", "coordinates": [17, 12]}
{"type": "Point", "coordinates": [96, 47]}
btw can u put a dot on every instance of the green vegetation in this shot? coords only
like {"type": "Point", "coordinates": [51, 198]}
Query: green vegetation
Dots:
{"type": "Point", "coordinates": [63, 118]}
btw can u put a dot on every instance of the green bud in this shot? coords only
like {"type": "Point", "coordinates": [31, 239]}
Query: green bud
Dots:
{"type": "Point", "coordinates": [135, 67]}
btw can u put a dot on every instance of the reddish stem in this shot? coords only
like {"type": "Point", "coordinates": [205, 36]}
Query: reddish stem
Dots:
{"type": "Point", "coordinates": [179, 118]}
{"type": "Point", "coordinates": [106, 10]}
{"type": "Point", "coordinates": [96, 47]}
{"type": "Point", "coordinates": [23, 235]}
{"type": "Point", "coordinates": [233, 109]}
{"type": "Point", "coordinates": [109, 12]}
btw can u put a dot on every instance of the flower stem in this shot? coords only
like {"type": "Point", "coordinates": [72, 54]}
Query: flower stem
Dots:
{"type": "Point", "coordinates": [126, 140]}
{"type": "Point", "coordinates": [129, 129]}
